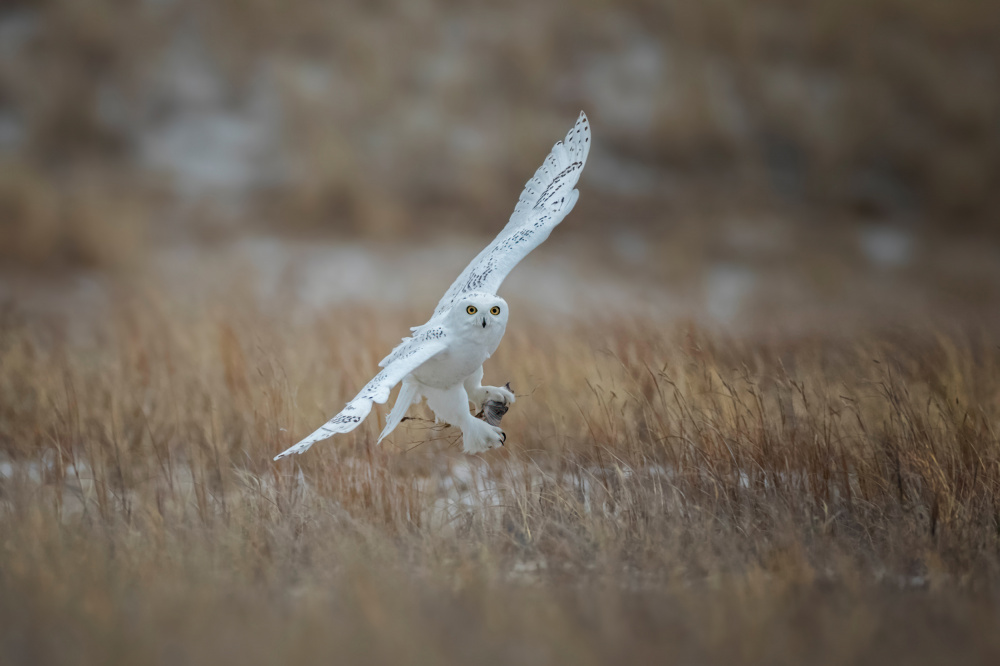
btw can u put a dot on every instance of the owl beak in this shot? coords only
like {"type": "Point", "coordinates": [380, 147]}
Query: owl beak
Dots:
{"type": "Point", "coordinates": [484, 322]}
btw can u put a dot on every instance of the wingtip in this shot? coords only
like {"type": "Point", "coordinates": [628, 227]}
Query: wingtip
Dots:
{"type": "Point", "coordinates": [297, 449]}
{"type": "Point", "coordinates": [580, 127]}
{"type": "Point", "coordinates": [578, 138]}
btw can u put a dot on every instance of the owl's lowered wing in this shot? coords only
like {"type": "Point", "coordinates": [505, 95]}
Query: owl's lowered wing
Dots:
{"type": "Point", "coordinates": [403, 360]}
{"type": "Point", "coordinates": [547, 198]}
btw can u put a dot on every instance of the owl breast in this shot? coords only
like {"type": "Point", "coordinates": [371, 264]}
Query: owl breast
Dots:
{"type": "Point", "coordinates": [452, 365]}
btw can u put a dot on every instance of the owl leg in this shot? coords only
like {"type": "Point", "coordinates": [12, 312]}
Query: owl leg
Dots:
{"type": "Point", "coordinates": [479, 394]}
{"type": "Point", "coordinates": [452, 405]}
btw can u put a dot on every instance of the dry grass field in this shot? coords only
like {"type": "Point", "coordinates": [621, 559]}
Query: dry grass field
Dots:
{"type": "Point", "coordinates": [667, 493]}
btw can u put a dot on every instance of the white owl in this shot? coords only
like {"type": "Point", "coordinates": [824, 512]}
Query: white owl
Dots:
{"type": "Point", "coordinates": [443, 360]}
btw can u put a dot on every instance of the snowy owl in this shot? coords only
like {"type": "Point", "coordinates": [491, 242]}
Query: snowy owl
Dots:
{"type": "Point", "coordinates": [442, 361]}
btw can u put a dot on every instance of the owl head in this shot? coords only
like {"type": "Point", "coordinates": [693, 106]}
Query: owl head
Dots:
{"type": "Point", "coordinates": [480, 312]}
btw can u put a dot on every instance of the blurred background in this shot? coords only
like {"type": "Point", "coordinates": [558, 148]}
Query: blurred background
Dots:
{"type": "Point", "coordinates": [759, 361]}
{"type": "Point", "coordinates": [809, 158]}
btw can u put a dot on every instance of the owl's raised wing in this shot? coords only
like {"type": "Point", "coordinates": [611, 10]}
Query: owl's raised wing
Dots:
{"type": "Point", "coordinates": [547, 198]}
{"type": "Point", "coordinates": [404, 359]}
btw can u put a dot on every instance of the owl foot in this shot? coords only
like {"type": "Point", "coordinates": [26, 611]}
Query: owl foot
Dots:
{"type": "Point", "coordinates": [479, 436]}
{"type": "Point", "coordinates": [500, 394]}
{"type": "Point", "coordinates": [484, 394]}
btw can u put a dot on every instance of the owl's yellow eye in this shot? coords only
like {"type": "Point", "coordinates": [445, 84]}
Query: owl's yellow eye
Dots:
{"type": "Point", "coordinates": [471, 309]}
{"type": "Point", "coordinates": [495, 310]}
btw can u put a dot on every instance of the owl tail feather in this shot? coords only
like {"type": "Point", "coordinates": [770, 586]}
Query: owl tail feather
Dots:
{"type": "Point", "coordinates": [408, 394]}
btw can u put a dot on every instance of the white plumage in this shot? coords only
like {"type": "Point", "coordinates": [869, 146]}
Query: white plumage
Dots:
{"type": "Point", "coordinates": [443, 359]}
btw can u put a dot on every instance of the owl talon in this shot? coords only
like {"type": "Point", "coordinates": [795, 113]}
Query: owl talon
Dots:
{"type": "Point", "coordinates": [502, 394]}
{"type": "Point", "coordinates": [484, 395]}
{"type": "Point", "coordinates": [479, 436]}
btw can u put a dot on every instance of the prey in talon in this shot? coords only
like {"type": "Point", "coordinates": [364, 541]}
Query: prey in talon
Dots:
{"type": "Point", "coordinates": [492, 411]}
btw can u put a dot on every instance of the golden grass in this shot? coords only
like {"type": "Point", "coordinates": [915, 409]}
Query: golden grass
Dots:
{"type": "Point", "coordinates": [669, 494]}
